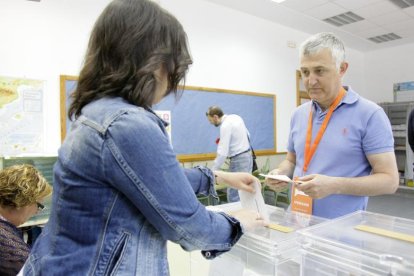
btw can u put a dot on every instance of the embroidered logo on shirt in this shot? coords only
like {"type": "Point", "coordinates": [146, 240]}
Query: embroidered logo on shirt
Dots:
{"type": "Point", "coordinates": [344, 131]}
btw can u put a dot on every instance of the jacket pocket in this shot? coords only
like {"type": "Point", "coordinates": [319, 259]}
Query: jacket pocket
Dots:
{"type": "Point", "coordinates": [117, 254]}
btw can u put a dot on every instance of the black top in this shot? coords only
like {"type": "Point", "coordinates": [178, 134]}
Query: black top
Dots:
{"type": "Point", "coordinates": [410, 130]}
{"type": "Point", "coordinates": [13, 250]}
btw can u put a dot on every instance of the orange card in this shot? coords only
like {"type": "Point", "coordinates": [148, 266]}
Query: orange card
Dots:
{"type": "Point", "coordinates": [301, 202]}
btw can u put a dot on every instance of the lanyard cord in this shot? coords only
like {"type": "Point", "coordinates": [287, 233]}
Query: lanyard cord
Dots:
{"type": "Point", "coordinates": [310, 151]}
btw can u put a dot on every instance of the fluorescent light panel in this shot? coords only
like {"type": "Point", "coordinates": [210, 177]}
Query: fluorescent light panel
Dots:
{"type": "Point", "coordinates": [343, 19]}
{"type": "Point", "coordinates": [384, 38]}
{"type": "Point", "coordinates": [403, 3]}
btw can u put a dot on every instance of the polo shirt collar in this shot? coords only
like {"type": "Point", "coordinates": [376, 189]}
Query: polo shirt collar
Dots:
{"type": "Point", "coordinates": [350, 97]}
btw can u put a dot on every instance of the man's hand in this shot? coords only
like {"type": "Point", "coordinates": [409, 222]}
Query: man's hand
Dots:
{"type": "Point", "coordinates": [276, 185]}
{"type": "Point", "coordinates": [316, 185]}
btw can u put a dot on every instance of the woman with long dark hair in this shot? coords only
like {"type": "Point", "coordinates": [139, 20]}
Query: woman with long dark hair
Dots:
{"type": "Point", "coordinates": [119, 191]}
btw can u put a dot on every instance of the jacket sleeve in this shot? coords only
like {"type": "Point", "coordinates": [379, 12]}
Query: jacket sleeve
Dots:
{"type": "Point", "coordinates": [142, 166]}
{"type": "Point", "coordinates": [201, 180]}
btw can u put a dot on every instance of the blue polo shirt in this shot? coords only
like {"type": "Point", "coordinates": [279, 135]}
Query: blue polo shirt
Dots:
{"type": "Point", "coordinates": [357, 128]}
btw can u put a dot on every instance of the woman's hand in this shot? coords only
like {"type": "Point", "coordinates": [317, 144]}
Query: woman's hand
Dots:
{"type": "Point", "coordinates": [238, 180]}
{"type": "Point", "coordinates": [249, 219]}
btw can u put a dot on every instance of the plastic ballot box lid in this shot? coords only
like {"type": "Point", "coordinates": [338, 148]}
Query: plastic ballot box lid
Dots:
{"type": "Point", "coordinates": [361, 243]}
{"type": "Point", "coordinates": [262, 249]}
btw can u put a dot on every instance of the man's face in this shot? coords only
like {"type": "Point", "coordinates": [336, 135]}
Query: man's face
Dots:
{"type": "Point", "coordinates": [321, 77]}
{"type": "Point", "coordinates": [214, 120]}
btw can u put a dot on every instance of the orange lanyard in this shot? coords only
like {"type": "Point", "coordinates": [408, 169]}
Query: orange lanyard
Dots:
{"type": "Point", "coordinates": [309, 151]}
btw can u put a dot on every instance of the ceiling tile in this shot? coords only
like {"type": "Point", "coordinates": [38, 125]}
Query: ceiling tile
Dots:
{"type": "Point", "coordinates": [409, 11]}
{"type": "Point", "coordinates": [380, 17]}
{"type": "Point", "coordinates": [325, 11]}
{"type": "Point", "coordinates": [389, 18]}
{"type": "Point", "coordinates": [406, 32]}
{"type": "Point", "coordinates": [401, 26]}
{"type": "Point", "coordinates": [376, 9]}
{"type": "Point", "coordinates": [353, 4]}
{"type": "Point", "coordinates": [372, 32]}
{"type": "Point", "coordinates": [359, 26]}
{"type": "Point", "coordinates": [301, 5]}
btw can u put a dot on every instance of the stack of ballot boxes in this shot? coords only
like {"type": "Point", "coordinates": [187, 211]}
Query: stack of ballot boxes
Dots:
{"type": "Point", "coordinates": [269, 250]}
{"type": "Point", "coordinates": [361, 243]}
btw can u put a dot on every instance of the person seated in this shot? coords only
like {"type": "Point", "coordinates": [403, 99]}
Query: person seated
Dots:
{"type": "Point", "coordinates": [22, 191]}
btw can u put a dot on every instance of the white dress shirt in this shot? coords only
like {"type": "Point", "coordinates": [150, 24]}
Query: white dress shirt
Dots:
{"type": "Point", "coordinates": [233, 139]}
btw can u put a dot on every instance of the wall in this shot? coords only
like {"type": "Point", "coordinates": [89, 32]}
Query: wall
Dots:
{"type": "Point", "coordinates": [43, 40]}
{"type": "Point", "coordinates": [231, 50]}
{"type": "Point", "coordinates": [386, 67]}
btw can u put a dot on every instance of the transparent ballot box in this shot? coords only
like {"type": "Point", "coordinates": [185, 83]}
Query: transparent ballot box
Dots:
{"type": "Point", "coordinates": [361, 243]}
{"type": "Point", "coordinates": [262, 251]}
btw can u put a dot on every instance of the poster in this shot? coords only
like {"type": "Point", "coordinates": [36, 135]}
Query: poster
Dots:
{"type": "Point", "coordinates": [165, 115]}
{"type": "Point", "coordinates": [21, 116]}
{"type": "Point", "coordinates": [404, 91]}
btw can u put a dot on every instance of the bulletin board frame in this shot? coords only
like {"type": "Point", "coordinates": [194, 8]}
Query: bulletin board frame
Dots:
{"type": "Point", "coordinates": [67, 86]}
{"type": "Point", "coordinates": [301, 95]}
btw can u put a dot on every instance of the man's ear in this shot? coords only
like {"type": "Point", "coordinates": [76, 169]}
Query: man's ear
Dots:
{"type": "Point", "coordinates": [342, 68]}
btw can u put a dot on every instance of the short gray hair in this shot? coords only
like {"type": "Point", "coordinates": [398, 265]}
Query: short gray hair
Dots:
{"type": "Point", "coordinates": [321, 41]}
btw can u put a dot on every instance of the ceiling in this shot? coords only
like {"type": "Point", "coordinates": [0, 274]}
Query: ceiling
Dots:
{"type": "Point", "coordinates": [376, 21]}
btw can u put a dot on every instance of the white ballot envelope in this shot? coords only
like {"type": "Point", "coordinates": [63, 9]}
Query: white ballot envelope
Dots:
{"type": "Point", "coordinates": [280, 177]}
{"type": "Point", "coordinates": [284, 178]}
{"type": "Point", "coordinates": [254, 201]}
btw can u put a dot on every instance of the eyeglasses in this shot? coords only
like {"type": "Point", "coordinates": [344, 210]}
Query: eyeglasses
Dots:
{"type": "Point", "coordinates": [40, 206]}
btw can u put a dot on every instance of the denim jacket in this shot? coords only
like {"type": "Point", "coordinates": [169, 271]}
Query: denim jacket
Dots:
{"type": "Point", "coordinates": [120, 194]}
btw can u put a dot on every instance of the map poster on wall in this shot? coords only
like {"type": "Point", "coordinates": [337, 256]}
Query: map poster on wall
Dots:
{"type": "Point", "coordinates": [21, 116]}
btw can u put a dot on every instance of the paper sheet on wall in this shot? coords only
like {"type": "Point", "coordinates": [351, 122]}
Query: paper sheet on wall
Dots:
{"type": "Point", "coordinates": [21, 116]}
{"type": "Point", "coordinates": [254, 201]}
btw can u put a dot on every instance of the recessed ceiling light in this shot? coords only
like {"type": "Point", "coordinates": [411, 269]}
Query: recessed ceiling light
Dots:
{"type": "Point", "coordinates": [384, 38]}
{"type": "Point", "coordinates": [343, 19]}
{"type": "Point", "coordinates": [403, 3]}
{"type": "Point", "coordinates": [278, 1]}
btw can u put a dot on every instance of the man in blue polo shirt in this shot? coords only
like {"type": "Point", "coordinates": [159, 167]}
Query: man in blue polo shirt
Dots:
{"type": "Point", "coordinates": [340, 148]}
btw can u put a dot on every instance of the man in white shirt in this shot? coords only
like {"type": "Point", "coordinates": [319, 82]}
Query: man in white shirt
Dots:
{"type": "Point", "coordinates": [233, 144]}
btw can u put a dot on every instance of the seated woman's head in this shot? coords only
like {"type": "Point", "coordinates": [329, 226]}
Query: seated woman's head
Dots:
{"type": "Point", "coordinates": [22, 191]}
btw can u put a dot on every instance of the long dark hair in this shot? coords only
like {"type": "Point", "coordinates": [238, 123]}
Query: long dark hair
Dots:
{"type": "Point", "coordinates": [131, 40]}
